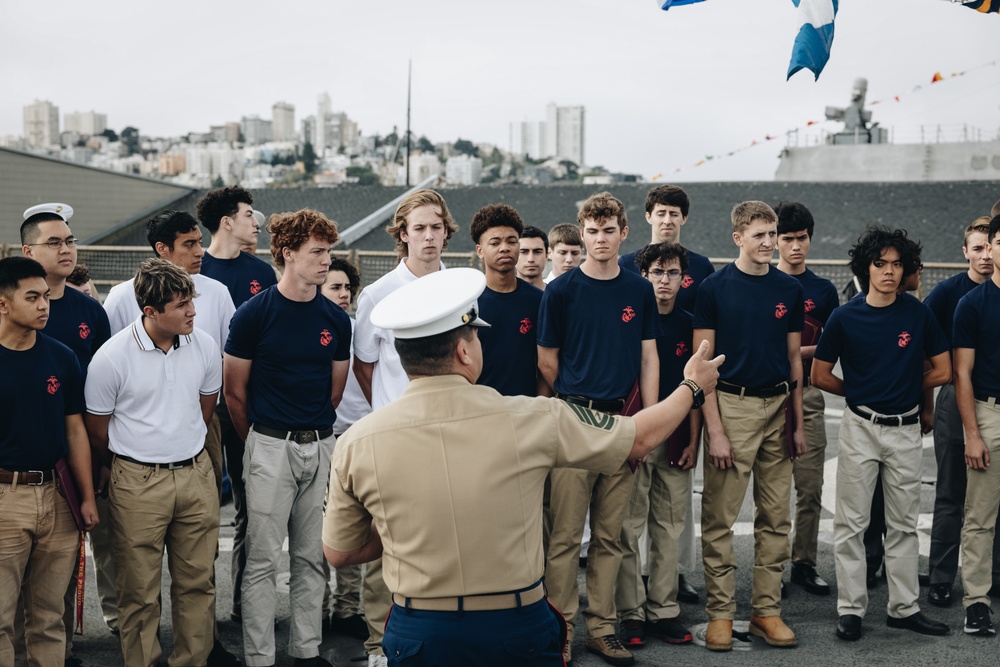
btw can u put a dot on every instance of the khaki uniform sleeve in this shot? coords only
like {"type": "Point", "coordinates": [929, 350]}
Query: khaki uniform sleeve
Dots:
{"type": "Point", "coordinates": [346, 522]}
{"type": "Point", "coordinates": [591, 440]}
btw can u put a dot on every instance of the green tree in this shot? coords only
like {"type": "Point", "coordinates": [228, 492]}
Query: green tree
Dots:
{"type": "Point", "coordinates": [309, 158]}
{"type": "Point", "coordinates": [364, 174]}
{"type": "Point", "coordinates": [424, 144]}
{"type": "Point", "coordinates": [217, 182]}
{"type": "Point", "coordinates": [110, 134]}
{"type": "Point", "coordinates": [130, 137]}
{"type": "Point", "coordinates": [465, 147]}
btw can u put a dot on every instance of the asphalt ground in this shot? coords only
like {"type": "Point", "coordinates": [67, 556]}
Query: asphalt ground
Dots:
{"type": "Point", "coordinates": [812, 618]}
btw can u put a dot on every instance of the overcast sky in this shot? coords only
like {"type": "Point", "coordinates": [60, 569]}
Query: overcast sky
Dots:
{"type": "Point", "coordinates": [661, 89]}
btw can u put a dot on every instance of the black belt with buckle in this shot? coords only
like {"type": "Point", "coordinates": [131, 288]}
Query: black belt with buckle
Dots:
{"type": "Point", "coordinates": [302, 437]}
{"type": "Point", "coordinates": [992, 400]}
{"type": "Point", "coordinates": [173, 465]}
{"type": "Point", "coordinates": [613, 405]}
{"type": "Point", "coordinates": [28, 477]}
{"type": "Point", "coordinates": [779, 389]}
{"type": "Point", "coordinates": [885, 420]}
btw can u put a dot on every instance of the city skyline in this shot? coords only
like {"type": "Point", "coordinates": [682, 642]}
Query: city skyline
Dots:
{"type": "Point", "coordinates": [661, 89]}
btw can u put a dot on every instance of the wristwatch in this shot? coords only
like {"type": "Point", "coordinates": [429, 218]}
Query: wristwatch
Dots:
{"type": "Point", "coordinates": [699, 394]}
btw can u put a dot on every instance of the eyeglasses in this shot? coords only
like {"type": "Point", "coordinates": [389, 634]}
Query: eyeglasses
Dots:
{"type": "Point", "coordinates": [672, 274]}
{"type": "Point", "coordinates": [57, 244]}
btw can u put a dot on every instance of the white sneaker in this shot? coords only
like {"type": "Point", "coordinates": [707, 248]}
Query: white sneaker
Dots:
{"type": "Point", "coordinates": [378, 661]}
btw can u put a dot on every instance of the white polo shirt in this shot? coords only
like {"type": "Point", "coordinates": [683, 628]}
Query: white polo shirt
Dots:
{"type": "Point", "coordinates": [374, 345]}
{"type": "Point", "coordinates": [154, 397]}
{"type": "Point", "coordinates": [353, 406]}
{"type": "Point", "coordinates": [213, 305]}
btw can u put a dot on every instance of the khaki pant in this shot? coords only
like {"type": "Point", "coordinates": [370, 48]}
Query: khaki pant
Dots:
{"type": "Point", "coordinates": [982, 500]}
{"type": "Point", "coordinates": [863, 446]}
{"type": "Point", "coordinates": [807, 472]}
{"type": "Point", "coordinates": [39, 548]}
{"type": "Point", "coordinates": [343, 600]}
{"type": "Point", "coordinates": [378, 601]}
{"type": "Point", "coordinates": [153, 508]}
{"type": "Point", "coordinates": [213, 446]}
{"type": "Point", "coordinates": [607, 496]}
{"type": "Point", "coordinates": [756, 429]}
{"type": "Point", "coordinates": [659, 506]}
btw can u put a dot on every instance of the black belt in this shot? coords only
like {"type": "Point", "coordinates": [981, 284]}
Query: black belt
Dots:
{"type": "Point", "coordinates": [885, 420]}
{"type": "Point", "coordinates": [29, 477]}
{"type": "Point", "coordinates": [779, 389]}
{"type": "Point", "coordinates": [613, 405]}
{"type": "Point", "coordinates": [174, 465]}
{"type": "Point", "coordinates": [301, 437]}
{"type": "Point", "coordinates": [993, 400]}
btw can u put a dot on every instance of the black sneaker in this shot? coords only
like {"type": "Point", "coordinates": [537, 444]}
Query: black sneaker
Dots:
{"type": "Point", "coordinates": [977, 620]}
{"type": "Point", "coordinates": [670, 630]}
{"type": "Point", "coordinates": [353, 626]}
{"type": "Point", "coordinates": [632, 633]}
{"type": "Point", "coordinates": [220, 657]}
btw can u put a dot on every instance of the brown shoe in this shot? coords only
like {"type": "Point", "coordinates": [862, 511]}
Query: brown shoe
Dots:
{"type": "Point", "coordinates": [773, 631]}
{"type": "Point", "coordinates": [568, 652]}
{"type": "Point", "coordinates": [611, 649]}
{"type": "Point", "coordinates": [719, 635]}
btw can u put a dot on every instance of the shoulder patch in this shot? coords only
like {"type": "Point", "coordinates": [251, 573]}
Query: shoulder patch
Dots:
{"type": "Point", "coordinates": [601, 420]}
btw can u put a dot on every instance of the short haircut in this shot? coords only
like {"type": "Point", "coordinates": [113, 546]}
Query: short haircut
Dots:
{"type": "Point", "coordinates": [495, 215]}
{"type": "Point", "coordinates": [668, 195]}
{"type": "Point", "coordinates": [80, 275]}
{"type": "Point", "coordinates": [794, 217]}
{"type": "Point", "coordinates": [431, 355]}
{"type": "Point", "coordinates": [217, 204]}
{"type": "Point", "coordinates": [415, 201]}
{"type": "Point", "coordinates": [661, 252]}
{"type": "Point", "coordinates": [565, 233]}
{"type": "Point", "coordinates": [29, 228]}
{"type": "Point", "coordinates": [158, 282]}
{"type": "Point", "coordinates": [980, 224]}
{"type": "Point", "coordinates": [601, 207]}
{"type": "Point", "coordinates": [873, 242]}
{"type": "Point", "coordinates": [165, 227]}
{"type": "Point", "coordinates": [291, 230]}
{"type": "Point", "coordinates": [15, 269]}
{"type": "Point", "coordinates": [530, 232]}
{"type": "Point", "coordinates": [994, 227]}
{"type": "Point", "coordinates": [351, 271]}
{"type": "Point", "coordinates": [746, 212]}
{"type": "Point", "coordinates": [995, 211]}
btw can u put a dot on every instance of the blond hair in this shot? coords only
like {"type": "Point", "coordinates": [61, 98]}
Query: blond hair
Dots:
{"type": "Point", "coordinates": [408, 205]}
{"type": "Point", "coordinates": [158, 282]}
{"type": "Point", "coordinates": [746, 212]}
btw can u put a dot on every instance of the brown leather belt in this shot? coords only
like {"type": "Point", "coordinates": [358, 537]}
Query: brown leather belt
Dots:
{"type": "Point", "coordinates": [473, 602]}
{"type": "Point", "coordinates": [29, 477]}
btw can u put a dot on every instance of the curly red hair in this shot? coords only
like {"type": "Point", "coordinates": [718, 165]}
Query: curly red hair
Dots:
{"type": "Point", "coordinates": [291, 230]}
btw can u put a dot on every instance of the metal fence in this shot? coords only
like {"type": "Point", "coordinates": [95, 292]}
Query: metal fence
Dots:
{"type": "Point", "coordinates": [110, 265]}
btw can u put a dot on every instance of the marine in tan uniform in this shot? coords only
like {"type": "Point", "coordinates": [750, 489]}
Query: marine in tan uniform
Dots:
{"type": "Point", "coordinates": [445, 484]}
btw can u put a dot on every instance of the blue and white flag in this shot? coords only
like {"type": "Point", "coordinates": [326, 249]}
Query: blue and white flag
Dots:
{"type": "Point", "coordinates": [667, 4]}
{"type": "Point", "coordinates": [812, 45]}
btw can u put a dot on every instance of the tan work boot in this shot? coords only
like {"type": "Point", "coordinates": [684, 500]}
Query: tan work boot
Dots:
{"type": "Point", "coordinates": [611, 649]}
{"type": "Point", "coordinates": [568, 651]}
{"type": "Point", "coordinates": [773, 631]}
{"type": "Point", "coordinates": [719, 635]}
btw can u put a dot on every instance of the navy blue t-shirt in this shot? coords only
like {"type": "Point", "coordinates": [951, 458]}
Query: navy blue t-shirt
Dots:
{"type": "Point", "coordinates": [752, 317]}
{"type": "Point", "coordinates": [882, 351]}
{"type": "Point", "coordinates": [944, 298]}
{"type": "Point", "coordinates": [244, 276]}
{"type": "Point", "coordinates": [698, 269]}
{"type": "Point", "coordinates": [598, 326]}
{"type": "Point", "coordinates": [292, 345]}
{"type": "Point", "coordinates": [39, 387]}
{"type": "Point", "coordinates": [977, 321]}
{"type": "Point", "coordinates": [819, 299]}
{"type": "Point", "coordinates": [673, 346]}
{"type": "Point", "coordinates": [510, 352]}
{"type": "Point", "coordinates": [80, 323]}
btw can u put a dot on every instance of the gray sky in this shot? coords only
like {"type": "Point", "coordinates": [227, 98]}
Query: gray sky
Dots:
{"type": "Point", "coordinates": [661, 89]}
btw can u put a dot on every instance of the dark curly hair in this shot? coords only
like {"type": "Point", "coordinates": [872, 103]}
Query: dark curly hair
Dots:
{"type": "Point", "coordinates": [291, 230]}
{"type": "Point", "coordinates": [661, 252]}
{"type": "Point", "coordinates": [217, 204]}
{"type": "Point", "coordinates": [165, 227]}
{"type": "Point", "coordinates": [495, 215]}
{"type": "Point", "coordinates": [873, 242]}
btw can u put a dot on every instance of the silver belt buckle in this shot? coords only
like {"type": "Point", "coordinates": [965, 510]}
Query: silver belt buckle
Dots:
{"type": "Point", "coordinates": [176, 466]}
{"type": "Point", "coordinates": [41, 478]}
